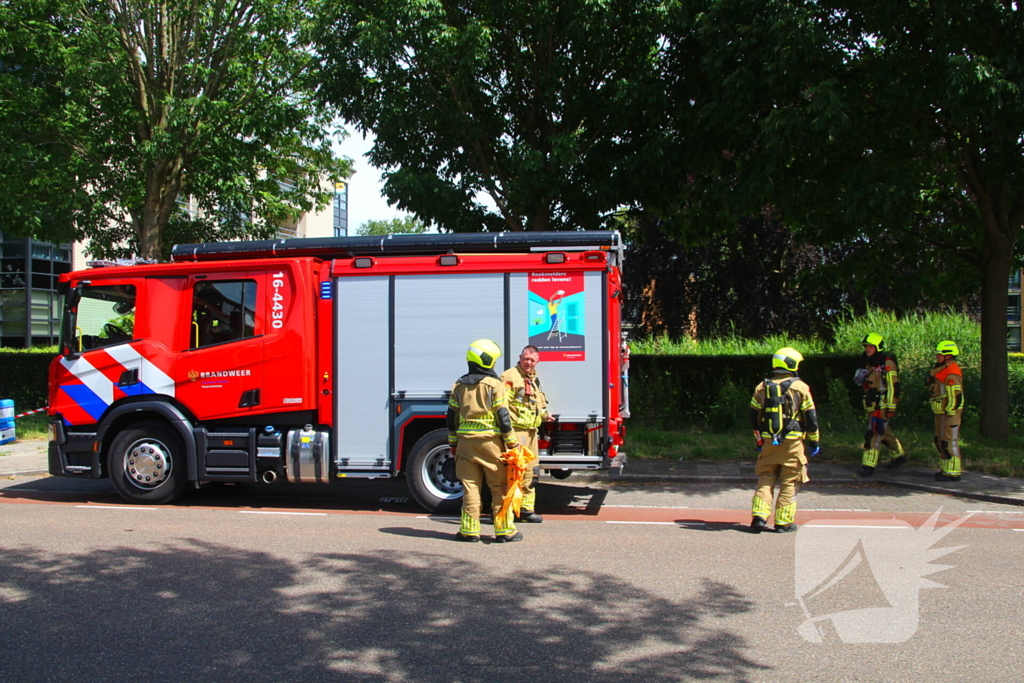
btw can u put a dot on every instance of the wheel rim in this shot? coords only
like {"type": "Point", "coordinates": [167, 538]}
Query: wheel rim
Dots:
{"type": "Point", "coordinates": [147, 464]}
{"type": "Point", "coordinates": [439, 473]}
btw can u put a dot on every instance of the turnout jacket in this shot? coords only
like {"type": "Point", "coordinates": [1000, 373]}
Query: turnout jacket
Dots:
{"type": "Point", "coordinates": [945, 386]}
{"type": "Point", "coordinates": [527, 402]}
{"type": "Point", "coordinates": [798, 408]}
{"type": "Point", "coordinates": [880, 381]}
{"type": "Point", "coordinates": [478, 408]}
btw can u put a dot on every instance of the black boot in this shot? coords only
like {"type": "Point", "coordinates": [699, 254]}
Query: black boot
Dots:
{"type": "Point", "coordinates": [758, 524]}
{"type": "Point", "coordinates": [517, 536]}
{"type": "Point", "coordinates": [866, 471]}
{"type": "Point", "coordinates": [942, 476]}
{"type": "Point", "coordinates": [897, 463]}
{"type": "Point", "coordinates": [466, 538]}
{"type": "Point", "coordinates": [529, 516]}
{"type": "Point", "coordinates": [783, 528]}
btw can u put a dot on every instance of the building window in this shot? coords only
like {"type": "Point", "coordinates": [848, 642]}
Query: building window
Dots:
{"type": "Point", "coordinates": [341, 209]}
{"type": "Point", "coordinates": [1013, 339]}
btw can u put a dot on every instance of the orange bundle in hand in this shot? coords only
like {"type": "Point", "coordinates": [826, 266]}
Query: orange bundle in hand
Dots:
{"type": "Point", "coordinates": [517, 459]}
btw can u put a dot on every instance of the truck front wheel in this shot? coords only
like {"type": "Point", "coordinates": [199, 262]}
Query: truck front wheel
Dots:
{"type": "Point", "coordinates": [146, 463]}
{"type": "Point", "coordinates": [431, 473]}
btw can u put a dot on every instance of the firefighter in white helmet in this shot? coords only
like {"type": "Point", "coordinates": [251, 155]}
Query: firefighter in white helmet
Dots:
{"type": "Point", "coordinates": [529, 408]}
{"type": "Point", "coordinates": [783, 415]}
{"type": "Point", "coordinates": [479, 431]}
{"type": "Point", "coordinates": [879, 379]}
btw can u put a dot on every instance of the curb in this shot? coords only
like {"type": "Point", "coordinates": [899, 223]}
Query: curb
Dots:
{"type": "Point", "coordinates": [831, 481]}
{"type": "Point", "coordinates": [24, 473]}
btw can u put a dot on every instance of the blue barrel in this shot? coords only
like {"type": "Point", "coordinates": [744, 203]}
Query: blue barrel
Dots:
{"type": "Point", "coordinates": [6, 421]}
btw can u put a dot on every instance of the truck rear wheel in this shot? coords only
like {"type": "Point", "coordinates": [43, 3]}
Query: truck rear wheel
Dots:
{"type": "Point", "coordinates": [146, 463]}
{"type": "Point", "coordinates": [431, 473]}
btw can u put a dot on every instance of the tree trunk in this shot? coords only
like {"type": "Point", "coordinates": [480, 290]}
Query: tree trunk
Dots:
{"type": "Point", "coordinates": [995, 412]}
{"type": "Point", "coordinates": [163, 183]}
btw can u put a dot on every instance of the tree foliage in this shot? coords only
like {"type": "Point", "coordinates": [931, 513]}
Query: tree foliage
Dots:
{"type": "Point", "coordinates": [406, 225]}
{"type": "Point", "coordinates": [118, 109]}
{"type": "Point", "coordinates": [540, 105]}
{"type": "Point", "coordinates": [863, 123]}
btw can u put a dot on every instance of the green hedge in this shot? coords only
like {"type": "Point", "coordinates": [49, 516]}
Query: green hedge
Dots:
{"type": "Point", "coordinates": [669, 390]}
{"type": "Point", "coordinates": [23, 376]}
{"type": "Point", "coordinates": [714, 391]}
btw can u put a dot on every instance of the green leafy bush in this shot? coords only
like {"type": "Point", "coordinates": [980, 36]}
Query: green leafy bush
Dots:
{"type": "Point", "coordinates": [23, 376]}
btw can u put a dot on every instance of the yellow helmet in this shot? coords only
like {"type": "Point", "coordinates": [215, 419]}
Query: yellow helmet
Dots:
{"type": "Point", "coordinates": [875, 340]}
{"type": "Point", "coordinates": [787, 359]}
{"type": "Point", "coordinates": [484, 353]}
{"type": "Point", "coordinates": [947, 348]}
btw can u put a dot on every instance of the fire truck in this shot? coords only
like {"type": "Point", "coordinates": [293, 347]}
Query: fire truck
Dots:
{"type": "Point", "coordinates": [321, 360]}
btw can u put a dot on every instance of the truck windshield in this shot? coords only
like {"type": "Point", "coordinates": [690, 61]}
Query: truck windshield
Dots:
{"type": "Point", "coordinates": [104, 316]}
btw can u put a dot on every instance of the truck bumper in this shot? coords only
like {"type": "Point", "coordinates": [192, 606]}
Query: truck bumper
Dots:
{"type": "Point", "coordinates": [72, 456]}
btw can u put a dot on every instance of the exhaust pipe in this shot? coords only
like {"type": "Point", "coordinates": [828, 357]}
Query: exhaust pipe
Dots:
{"type": "Point", "coordinates": [270, 476]}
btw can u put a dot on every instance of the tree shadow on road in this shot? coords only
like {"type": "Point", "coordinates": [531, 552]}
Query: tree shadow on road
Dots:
{"type": "Point", "coordinates": [195, 611]}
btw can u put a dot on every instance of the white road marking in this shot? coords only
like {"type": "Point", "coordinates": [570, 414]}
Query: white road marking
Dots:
{"type": "Point", "coordinates": [852, 526]}
{"type": "Point", "coordinates": [113, 507]}
{"type": "Point", "coordinates": [692, 524]}
{"type": "Point", "coordinates": [654, 507]}
{"type": "Point", "coordinates": [984, 512]}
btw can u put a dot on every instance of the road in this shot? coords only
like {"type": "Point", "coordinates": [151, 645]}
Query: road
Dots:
{"type": "Point", "coordinates": [650, 582]}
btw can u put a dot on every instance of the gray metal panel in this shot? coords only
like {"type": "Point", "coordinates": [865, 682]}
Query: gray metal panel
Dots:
{"type": "Point", "coordinates": [362, 363]}
{"type": "Point", "coordinates": [437, 317]}
{"type": "Point", "coordinates": [575, 389]}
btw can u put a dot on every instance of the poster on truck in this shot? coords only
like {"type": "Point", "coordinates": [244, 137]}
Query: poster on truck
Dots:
{"type": "Point", "coordinates": [557, 316]}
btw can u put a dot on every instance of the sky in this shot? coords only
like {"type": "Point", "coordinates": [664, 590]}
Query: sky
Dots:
{"type": "Point", "coordinates": [365, 201]}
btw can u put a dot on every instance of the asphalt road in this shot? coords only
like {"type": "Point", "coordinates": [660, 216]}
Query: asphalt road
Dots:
{"type": "Point", "coordinates": [621, 583]}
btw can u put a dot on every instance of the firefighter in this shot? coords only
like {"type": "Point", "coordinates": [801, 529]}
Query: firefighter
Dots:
{"type": "Point", "coordinates": [879, 378]}
{"type": "Point", "coordinates": [945, 384]}
{"type": "Point", "coordinates": [783, 415]}
{"type": "Point", "coordinates": [528, 405]}
{"type": "Point", "coordinates": [479, 431]}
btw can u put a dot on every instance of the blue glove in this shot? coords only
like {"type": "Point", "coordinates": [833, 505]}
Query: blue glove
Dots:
{"type": "Point", "coordinates": [813, 448]}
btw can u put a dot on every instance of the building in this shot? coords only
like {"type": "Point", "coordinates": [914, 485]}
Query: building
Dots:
{"type": "Point", "coordinates": [30, 309]}
{"type": "Point", "coordinates": [1013, 313]}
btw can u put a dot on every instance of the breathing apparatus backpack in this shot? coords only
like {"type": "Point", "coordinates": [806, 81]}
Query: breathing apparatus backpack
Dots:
{"type": "Point", "coordinates": [778, 410]}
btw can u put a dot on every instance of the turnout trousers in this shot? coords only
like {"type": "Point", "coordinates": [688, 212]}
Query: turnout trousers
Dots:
{"type": "Point", "coordinates": [528, 438]}
{"type": "Point", "coordinates": [947, 442]}
{"type": "Point", "coordinates": [785, 465]}
{"type": "Point", "coordinates": [879, 434]}
{"type": "Point", "coordinates": [478, 462]}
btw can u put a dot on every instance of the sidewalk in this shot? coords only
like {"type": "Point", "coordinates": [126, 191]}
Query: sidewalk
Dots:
{"type": "Point", "coordinates": [28, 458]}
{"type": "Point", "coordinates": [23, 458]}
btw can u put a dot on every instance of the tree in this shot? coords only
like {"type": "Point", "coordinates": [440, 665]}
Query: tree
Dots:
{"type": "Point", "coordinates": [540, 105]}
{"type": "Point", "coordinates": [125, 107]}
{"type": "Point", "coordinates": [865, 123]}
{"type": "Point", "coordinates": [407, 225]}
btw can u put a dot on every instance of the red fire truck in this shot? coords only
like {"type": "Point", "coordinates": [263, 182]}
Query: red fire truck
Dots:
{"type": "Point", "coordinates": [316, 360]}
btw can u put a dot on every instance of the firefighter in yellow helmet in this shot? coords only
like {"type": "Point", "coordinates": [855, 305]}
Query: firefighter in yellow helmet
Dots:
{"type": "Point", "coordinates": [528, 406]}
{"type": "Point", "coordinates": [879, 379]}
{"type": "Point", "coordinates": [479, 431]}
{"type": "Point", "coordinates": [783, 415]}
{"type": "Point", "coordinates": [946, 397]}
